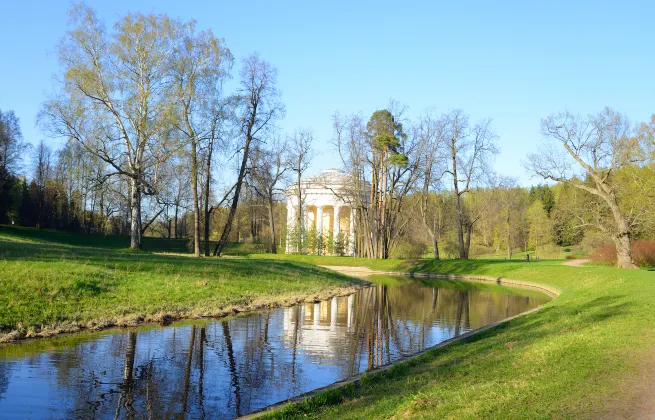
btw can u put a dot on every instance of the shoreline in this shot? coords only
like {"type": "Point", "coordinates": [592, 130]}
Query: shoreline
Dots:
{"type": "Point", "coordinates": [164, 318]}
{"type": "Point", "coordinates": [354, 380]}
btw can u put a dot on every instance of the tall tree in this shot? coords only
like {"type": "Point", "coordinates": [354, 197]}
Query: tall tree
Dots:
{"type": "Point", "coordinates": [383, 164]}
{"type": "Point", "coordinates": [12, 145]}
{"type": "Point", "coordinates": [469, 151]}
{"type": "Point", "coordinates": [268, 169]}
{"type": "Point", "coordinates": [259, 106]}
{"type": "Point", "coordinates": [200, 62]}
{"type": "Point", "coordinates": [597, 147]}
{"type": "Point", "coordinates": [300, 157]}
{"type": "Point", "coordinates": [429, 132]}
{"type": "Point", "coordinates": [12, 149]}
{"type": "Point", "coordinates": [116, 98]}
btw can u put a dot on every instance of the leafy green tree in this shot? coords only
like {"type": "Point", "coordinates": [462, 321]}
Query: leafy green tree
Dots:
{"type": "Point", "coordinates": [116, 99]}
{"type": "Point", "coordinates": [539, 225]}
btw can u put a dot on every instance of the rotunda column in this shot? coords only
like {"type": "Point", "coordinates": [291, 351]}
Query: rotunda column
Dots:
{"type": "Point", "coordinates": [291, 224]}
{"type": "Point", "coordinates": [319, 220]}
{"type": "Point", "coordinates": [351, 232]}
{"type": "Point", "coordinates": [336, 228]}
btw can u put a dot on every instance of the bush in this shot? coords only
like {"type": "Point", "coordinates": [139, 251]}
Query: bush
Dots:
{"type": "Point", "coordinates": [643, 253]}
{"type": "Point", "coordinates": [408, 251]}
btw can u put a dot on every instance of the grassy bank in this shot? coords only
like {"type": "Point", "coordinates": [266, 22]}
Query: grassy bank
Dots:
{"type": "Point", "coordinates": [52, 282]}
{"type": "Point", "coordinates": [588, 353]}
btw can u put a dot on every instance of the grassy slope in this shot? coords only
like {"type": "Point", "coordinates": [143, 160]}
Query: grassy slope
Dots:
{"type": "Point", "coordinates": [582, 355]}
{"type": "Point", "coordinates": [53, 278]}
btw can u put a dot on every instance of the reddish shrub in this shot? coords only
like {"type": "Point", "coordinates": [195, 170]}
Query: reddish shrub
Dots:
{"type": "Point", "coordinates": [643, 253]}
{"type": "Point", "coordinates": [605, 254]}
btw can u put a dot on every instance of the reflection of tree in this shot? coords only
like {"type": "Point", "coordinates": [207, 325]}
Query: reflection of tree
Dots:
{"type": "Point", "coordinates": [5, 371]}
{"type": "Point", "coordinates": [126, 397]}
{"type": "Point", "coordinates": [201, 368]}
{"type": "Point", "coordinates": [249, 362]}
{"type": "Point", "coordinates": [187, 370]}
{"type": "Point", "coordinates": [232, 367]}
{"type": "Point", "coordinates": [296, 328]}
{"type": "Point", "coordinates": [462, 312]}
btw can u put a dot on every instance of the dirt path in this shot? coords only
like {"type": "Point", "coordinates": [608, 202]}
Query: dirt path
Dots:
{"type": "Point", "coordinates": [577, 262]}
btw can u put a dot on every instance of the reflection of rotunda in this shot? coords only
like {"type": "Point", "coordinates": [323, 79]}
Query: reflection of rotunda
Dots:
{"type": "Point", "coordinates": [327, 205]}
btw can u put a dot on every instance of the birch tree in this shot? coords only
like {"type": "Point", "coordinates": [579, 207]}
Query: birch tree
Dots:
{"type": "Point", "coordinates": [115, 98]}
{"type": "Point", "coordinates": [200, 63]}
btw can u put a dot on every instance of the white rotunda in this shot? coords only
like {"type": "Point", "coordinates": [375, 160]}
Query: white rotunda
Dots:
{"type": "Point", "coordinates": [327, 206]}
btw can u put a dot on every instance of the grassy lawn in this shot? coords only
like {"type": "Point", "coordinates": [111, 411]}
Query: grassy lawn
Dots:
{"type": "Point", "coordinates": [52, 281]}
{"type": "Point", "coordinates": [588, 353]}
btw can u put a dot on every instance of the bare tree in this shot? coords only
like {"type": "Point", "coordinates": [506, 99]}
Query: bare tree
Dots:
{"type": "Point", "coordinates": [300, 157]}
{"type": "Point", "coordinates": [115, 98]}
{"type": "Point", "coordinates": [597, 146]}
{"type": "Point", "coordinates": [267, 170]}
{"type": "Point", "coordinates": [430, 134]}
{"type": "Point", "coordinates": [200, 63]}
{"type": "Point", "coordinates": [12, 146]}
{"type": "Point", "coordinates": [220, 130]}
{"type": "Point", "coordinates": [512, 201]}
{"type": "Point", "coordinates": [469, 150]}
{"type": "Point", "coordinates": [259, 106]}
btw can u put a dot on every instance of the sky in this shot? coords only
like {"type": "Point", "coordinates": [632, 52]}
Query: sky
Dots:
{"type": "Point", "coordinates": [513, 62]}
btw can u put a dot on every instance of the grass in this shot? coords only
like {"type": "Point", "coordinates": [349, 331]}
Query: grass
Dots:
{"type": "Point", "coordinates": [53, 281]}
{"type": "Point", "coordinates": [586, 354]}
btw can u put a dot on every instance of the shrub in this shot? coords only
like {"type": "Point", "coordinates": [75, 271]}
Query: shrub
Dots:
{"type": "Point", "coordinates": [643, 253]}
{"type": "Point", "coordinates": [408, 251]}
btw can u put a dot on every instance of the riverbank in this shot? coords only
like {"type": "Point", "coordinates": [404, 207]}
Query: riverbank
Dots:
{"type": "Point", "coordinates": [586, 354]}
{"type": "Point", "coordinates": [55, 283]}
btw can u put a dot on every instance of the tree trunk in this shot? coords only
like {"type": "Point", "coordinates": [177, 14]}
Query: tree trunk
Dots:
{"type": "Point", "coordinates": [272, 222]}
{"type": "Point", "coordinates": [458, 204]}
{"type": "Point", "coordinates": [622, 238]}
{"type": "Point", "coordinates": [624, 252]}
{"type": "Point", "coordinates": [435, 247]}
{"type": "Point", "coordinates": [509, 236]}
{"type": "Point", "coordinates": [177, 209]}
{"type": "Point", "coordinates": [235, 202]}
{"type": "Point", "coordinates": [467, 245]}
{"type": "Point", "coordinates": [135, 207]}
{"type": "Point", "coordinates": [196, 206]}
{"type": "Point", "coordinates": [299, 227]}
{"type": "Point", "coordinates": [207, 212]}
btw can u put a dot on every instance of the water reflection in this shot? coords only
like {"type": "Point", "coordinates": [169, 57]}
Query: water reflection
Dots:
{"type": "Point", "coordinates": [231, 367]}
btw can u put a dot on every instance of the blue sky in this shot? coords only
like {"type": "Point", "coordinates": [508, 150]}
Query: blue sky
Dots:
{"type": "Point", "coordinates": [514, 62]}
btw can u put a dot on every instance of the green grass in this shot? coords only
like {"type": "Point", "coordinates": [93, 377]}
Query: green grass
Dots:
{"type": "Point", "coordinates": [52, 280]}
{"type": "Point", "coordinates": [587, 353]}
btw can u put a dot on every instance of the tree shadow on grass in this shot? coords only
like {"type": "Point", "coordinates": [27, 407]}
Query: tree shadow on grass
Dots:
{"type": "Point", "coordinates": [205, 268]}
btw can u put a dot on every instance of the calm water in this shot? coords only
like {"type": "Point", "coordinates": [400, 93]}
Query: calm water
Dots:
{"type": "Point", "coordinates": [227, 368]}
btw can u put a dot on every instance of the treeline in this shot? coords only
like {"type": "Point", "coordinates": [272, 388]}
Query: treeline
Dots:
{"type": "Point", "coordinates": [510, 220]}
{"type": "Point", "coordinates": [156, 144]}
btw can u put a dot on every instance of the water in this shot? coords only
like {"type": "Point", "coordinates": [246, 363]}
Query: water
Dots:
{"type": "Point", "coordinates": [231, 367]}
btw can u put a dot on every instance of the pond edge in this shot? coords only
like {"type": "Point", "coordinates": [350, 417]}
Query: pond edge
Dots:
{"type": "Point", "coordinates": [353, 271]}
